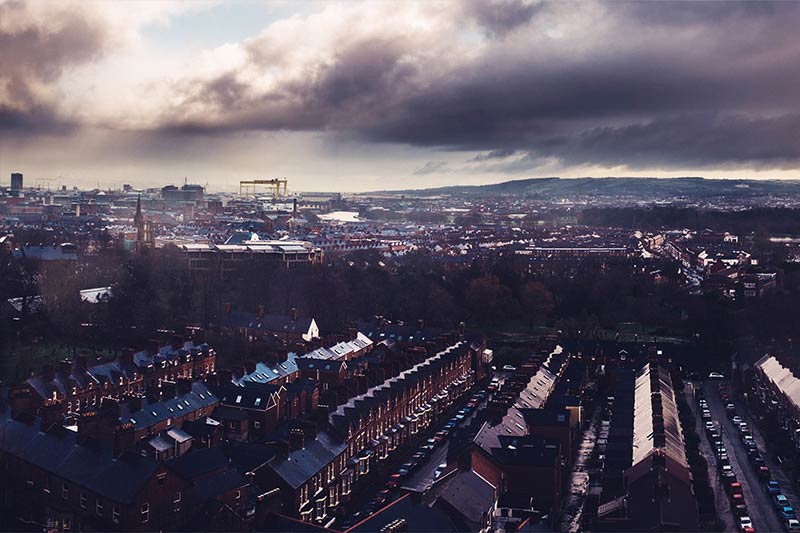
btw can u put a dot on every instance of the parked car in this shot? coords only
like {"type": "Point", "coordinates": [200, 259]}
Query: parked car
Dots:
{"type": "Point", "coordinates": [786, 512]}
{"type": "Point", "coordinates": [737, 420]}
{"type": "Point", "coordinates": [773, 488]}
{"type": "Point", "coordinates": [734, 488]}
{"type": "Point", "coordinates": [780, 500]}
{"type": "Point", "coordinates": [744, 521]}
{"type": "Point", "coordinates": [716, 375]}
{"type": "Point", "coordinates": [439, 470]}
{"type": "Point", "coordinates": [509, 368]}
{"type": "Point", "coordinates": [763, 472]}
{"type": "Point", "coordinates": [727, 472]}
{"type": "Point", "coordinates": [792, 524]}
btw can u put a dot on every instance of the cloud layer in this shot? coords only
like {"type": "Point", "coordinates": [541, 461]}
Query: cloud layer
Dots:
{"type": "Point", "coordinates": [517, 84]}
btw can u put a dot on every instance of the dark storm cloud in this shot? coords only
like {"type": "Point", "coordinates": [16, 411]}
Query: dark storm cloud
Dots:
{"type": "Point", "coordinates": [641, 84]}
{"type": "Point", "coordinates": [34, 55]}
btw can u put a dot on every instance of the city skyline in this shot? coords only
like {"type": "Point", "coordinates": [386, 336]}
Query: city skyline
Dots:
{"type": "Point", "coordinates": [363, 96]}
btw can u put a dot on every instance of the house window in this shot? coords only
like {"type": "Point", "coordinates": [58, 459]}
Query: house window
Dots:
{"type": "Point", "coordinates": [115, 514]}
{"type": "Point", "coordinates": [83, 500]}
{"type": "Point", "coordinates": [99, 507]}
{"type": "Point", "coordinates": [319, 508]}
{"type": "Point", "coordinates": [177, 502]}
{"type": "Point", "coordinates": [145, 513]}
{"type": "Point", "coordinates": [64, 491]}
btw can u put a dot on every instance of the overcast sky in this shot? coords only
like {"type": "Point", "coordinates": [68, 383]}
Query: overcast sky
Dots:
{"type": "Point", "coordinates": [375, 95]}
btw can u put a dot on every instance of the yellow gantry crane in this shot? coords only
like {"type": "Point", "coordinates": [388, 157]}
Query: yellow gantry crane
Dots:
{"type": "Point", "coordinates": [276, 187]}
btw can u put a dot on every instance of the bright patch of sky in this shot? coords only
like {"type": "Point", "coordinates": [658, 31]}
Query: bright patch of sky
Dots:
{"type": "Point", "coordinates": [218, 23]}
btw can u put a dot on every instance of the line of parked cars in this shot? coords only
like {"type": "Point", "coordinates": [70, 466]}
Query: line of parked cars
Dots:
{"type": "Point", "coordinates": [419, 457]}
{"type": "Point", "coordinates": [732, 486]}
{"type": "Point", "coordinates": [785, 511]}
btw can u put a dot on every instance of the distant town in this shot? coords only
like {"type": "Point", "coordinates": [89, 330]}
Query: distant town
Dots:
{"type": "Point", "coordinates": [531, 356]}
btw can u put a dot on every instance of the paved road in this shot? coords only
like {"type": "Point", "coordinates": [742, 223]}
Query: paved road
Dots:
{"type": "Point", "coordinates": [787, 488]}
{"type": "Point", "coordinates": [572, 510]}
{"type": "Point", "coordinates": [720, 496]}
{"type": "Point", "coordinates": [758, 502]}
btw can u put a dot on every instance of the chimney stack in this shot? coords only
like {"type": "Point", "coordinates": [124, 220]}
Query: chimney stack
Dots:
{"type": "Point", "coordinates": [134, 402]}
{"type": "Point", "coordinates": [65, 367]}
{"type": "Point", "coordinates": [296, 439]}
{"type": "Point", "coordinates": [51, 413]}
{"type": "Point", "coordinates": [168, 389]}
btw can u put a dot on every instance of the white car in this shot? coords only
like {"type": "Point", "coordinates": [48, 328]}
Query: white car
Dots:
{"type": "Point", "coordinates": [737, 420]}
{"type": "Point", "coordinates": [716, 375]}
{"type": "Point", "coordinates": [509, 368]}
{"type": "Point", "coordinates": [744, 522]}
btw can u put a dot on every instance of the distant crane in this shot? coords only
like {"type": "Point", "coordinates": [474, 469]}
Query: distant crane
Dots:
{"type": "Point", "coordinates": [276, 187]}
{"type": "Point", "coordinates": [40, 180]}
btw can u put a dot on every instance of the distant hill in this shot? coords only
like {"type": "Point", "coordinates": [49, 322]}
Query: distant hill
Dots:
{"type": "Point", "coordinates": [655, 188]}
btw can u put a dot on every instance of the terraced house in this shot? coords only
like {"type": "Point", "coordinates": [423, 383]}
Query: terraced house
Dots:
{"type": "Point", "coordinates": [76, 387]}
{"type": "Point", "coordinates": [317, 472]}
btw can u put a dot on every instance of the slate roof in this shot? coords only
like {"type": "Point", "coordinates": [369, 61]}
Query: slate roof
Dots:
{"type": "Point", "coordinates": [654, 381]}
{"type": "Point", "coordinates": [151, 414]}
{"type": "Point", "coordinates": [350, 412]}
{"type": "Point", "coordinates": [342, 349]}
{"type": "Point", "coordinates": [301, 465]}
{"type": "Point", "coordinates": [781, 377]}
{"type": "Point", "coordinates": [469, 494]}
{"type": "Point", "coordinates": [268, 323]}
{"type": "Point", "coordinates": [202, 427]}
{"type": "Point", "coordinates": [250, 395]}
{"type": "Point", "coordinates": [112, 371]}
{"type": "Point", "coordinates": [265, 373]}
{"type": "Point", "coordinates": [64, 252]}
{"type": "Point", "coordinates": [533, 397]}
{"type": "Point", "coordinates": [311, 363]}
{"type": "Point", "coordinates": [94, 469]}
{"type": "Point", "coordinates": [198, 462]}
{"type": "Point", "coordinates": [408, 332]}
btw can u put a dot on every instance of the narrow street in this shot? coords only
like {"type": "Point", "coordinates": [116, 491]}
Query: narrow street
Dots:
{"type": "Point", "coordinates": [759, 504]}
{"type": "Point", "coordinates": [720, 496]}
{"type": "Point", "coordinates": [787, 487]}
{"type": "Point", "coordinates": [572, 514]}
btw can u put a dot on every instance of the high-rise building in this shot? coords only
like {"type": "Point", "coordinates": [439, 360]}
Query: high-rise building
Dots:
{"type": "Point", "coordinates": [16, 181]}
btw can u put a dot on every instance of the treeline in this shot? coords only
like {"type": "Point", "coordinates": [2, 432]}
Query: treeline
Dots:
{"type": "Point", "coordinates": [155, 291]}
{"type": "Point", "coordinates": [775, 220]}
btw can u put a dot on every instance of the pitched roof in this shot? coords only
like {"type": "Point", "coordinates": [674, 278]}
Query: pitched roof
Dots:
{"type": "Point", "coordinates": [301, 465]}
{"type": "Point", "coordinates": [94, 469]}
{"type": "Point", "coordinates": [198, 397]}
{"type": "Point", "coordinates": [265, 373]}
{"type": "Point", "coordinates": [267, 323]}
{"type": "Point", "coordinates": [469, 494]}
